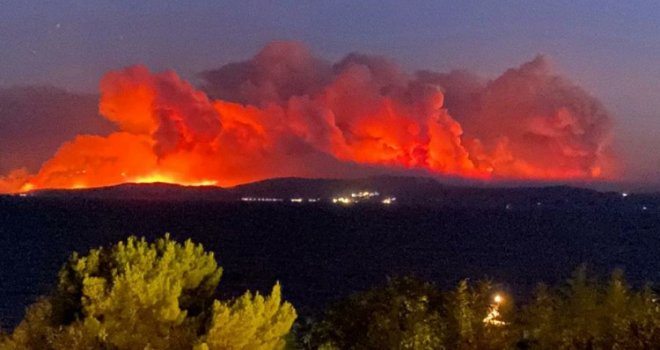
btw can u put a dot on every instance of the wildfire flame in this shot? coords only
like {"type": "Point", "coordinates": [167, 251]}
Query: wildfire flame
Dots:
{"type": "Point", "coordinates": [288, 113]}
{"type": "Point", "coordinates": [162, 178]}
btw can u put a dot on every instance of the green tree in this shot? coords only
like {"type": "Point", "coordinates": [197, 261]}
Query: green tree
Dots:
{"type": "Point", "coordinates": [407, 313]}
{"type": "Point", "coordinates": [250, 322]}
{"type": "Point", "coordinates": [141, 295]}
{"type": "Point", "coordinates": [399, 315]}
{"type": "Point", "coordinates": [465, 310]}
{"type": "Point", "coordinates": [587, 314]}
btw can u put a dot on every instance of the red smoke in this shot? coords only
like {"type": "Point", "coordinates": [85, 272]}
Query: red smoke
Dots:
{"type": "Point", "coordinates": [287, 113]}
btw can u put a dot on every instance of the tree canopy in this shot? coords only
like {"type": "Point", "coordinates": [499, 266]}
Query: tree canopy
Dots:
{"type": "Point", "coordinates": [406, 313]}
{"type": "Point", "coordinates": [141, 295]}
{"type": "Point", "coordinates": [160, 295]}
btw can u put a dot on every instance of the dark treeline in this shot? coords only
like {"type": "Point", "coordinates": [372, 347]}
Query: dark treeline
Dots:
{"type": "Point", "coordinates": [162, 295]}
{"type": "Point", "coordinates": [408, 313]}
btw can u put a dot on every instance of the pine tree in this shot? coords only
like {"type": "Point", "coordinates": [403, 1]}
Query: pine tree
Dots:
{"type": "Point", "coordinates": [141, 295]}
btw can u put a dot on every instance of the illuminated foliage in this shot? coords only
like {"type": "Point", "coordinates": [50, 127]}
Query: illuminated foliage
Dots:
{"type": "Point", "coordinates": [140, 295]}
{"type": "Point", "coordinates": [250, 322]}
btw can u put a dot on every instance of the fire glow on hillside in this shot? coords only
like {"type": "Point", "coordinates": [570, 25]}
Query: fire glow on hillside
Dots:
{"type": "Point", "coordinates": [288, 113]}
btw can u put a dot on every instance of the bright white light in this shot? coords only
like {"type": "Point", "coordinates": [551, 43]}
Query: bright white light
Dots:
{"type": "Point", "coordinates": [624, 194]}
{"type": "Point", "coordinates": [389, 200]}
{"type": "Point", "coordinates": [498, 299]}
{"type": "Point", "coordinates": [260, 199]}
{"type": "Point", "coordinates": [343, 200]}
{"type": "Point", "coordinates": [364, 194]}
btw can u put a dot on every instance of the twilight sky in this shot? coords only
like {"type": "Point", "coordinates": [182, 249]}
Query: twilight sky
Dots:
{"type": "Point", "coordinates": [610, 48]}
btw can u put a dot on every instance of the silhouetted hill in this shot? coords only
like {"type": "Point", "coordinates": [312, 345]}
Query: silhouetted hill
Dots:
{"type": "Point", "coordinates": [150, 191]}
{"type": "Point", "coordinates": [412, 187]}
{"type": "Point", "coordinates": [407, 190]}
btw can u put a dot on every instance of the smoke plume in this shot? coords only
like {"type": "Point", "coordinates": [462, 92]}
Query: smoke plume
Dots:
{"type": "Point", "coordinates": [286, 112]}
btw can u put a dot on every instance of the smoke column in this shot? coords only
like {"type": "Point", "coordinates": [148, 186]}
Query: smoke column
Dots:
{"type": "Point", "coordinates": [286, 112]}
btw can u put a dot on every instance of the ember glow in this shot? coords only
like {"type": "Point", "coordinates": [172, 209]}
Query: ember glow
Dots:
{"type": "Point", "coordinates": [288, 113]}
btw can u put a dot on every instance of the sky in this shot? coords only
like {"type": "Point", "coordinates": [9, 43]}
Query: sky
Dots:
{"type": "Point", "coordinates": [610, 48]}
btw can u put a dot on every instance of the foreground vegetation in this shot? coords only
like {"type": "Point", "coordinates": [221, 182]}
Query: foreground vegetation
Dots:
{"type": "Point", "coordinates": [407, 313]}
{"type": "Point", "coordinates": [140, 295]}
{"type": "Point", "coordinates": [160, 295]}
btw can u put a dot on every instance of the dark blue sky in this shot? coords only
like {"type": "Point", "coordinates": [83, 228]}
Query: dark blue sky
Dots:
{"type": "Point", "coordinates": [611, 48]}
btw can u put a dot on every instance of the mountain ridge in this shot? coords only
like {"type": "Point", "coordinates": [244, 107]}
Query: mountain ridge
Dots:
{"type": "Point", "coordinates": [407, 190]}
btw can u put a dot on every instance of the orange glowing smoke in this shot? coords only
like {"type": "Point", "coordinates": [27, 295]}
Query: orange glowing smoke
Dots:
{"type": "Point", "coordinates": [287, 113]}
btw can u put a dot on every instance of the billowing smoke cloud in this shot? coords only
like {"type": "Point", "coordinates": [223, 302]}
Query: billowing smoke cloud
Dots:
{"type": "Point", "coordinates": [529, 122]}
{"type": "Point", "coordinates": [286, 112]}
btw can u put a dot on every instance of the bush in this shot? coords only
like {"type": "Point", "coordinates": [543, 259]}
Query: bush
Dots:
{"type": "Point", "coordinates": [140, 295]}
